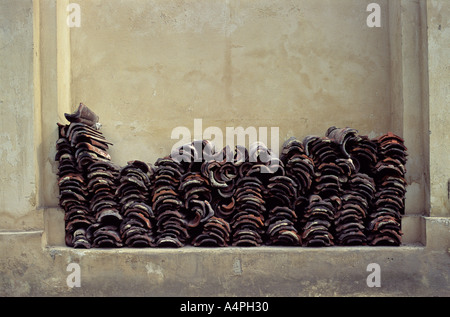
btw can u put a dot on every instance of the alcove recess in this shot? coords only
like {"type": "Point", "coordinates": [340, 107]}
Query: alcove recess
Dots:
{"type": "Point", "coordinates": [338, 189]}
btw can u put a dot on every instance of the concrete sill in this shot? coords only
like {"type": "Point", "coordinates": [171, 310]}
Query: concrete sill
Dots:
{"type": "Point", "coordinates": [255, 271]}
{"type": "Point", "coordinates": [250, 250]}
{"type": "Point", "coordinates": [406, 270]}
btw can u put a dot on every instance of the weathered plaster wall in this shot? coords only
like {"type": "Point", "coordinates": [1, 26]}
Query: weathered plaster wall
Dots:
{"type": "Point", "coordinates": [302, 66]}
{"type": "Point", "coordinates": [409, 95]}
{"type": "Point", "coordinates": [155, 65]}
{"type": "Point", "coordinates": [439, 79]}
{"type": "Point", "coordinates": [147, 67]}
{"type": "Point", "coordinates": [18, 145]}
{"type": "Point", "coordinates": [54, 90]}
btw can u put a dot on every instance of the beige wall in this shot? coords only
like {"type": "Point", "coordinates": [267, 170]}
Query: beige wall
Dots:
{"type": "Point", "coordinates": [409, 95]}
{"type": "Point", "coordinates": [148, 66]}
{"type": "Point", "coordinates": [18, 187]}
{"type": "Point", "coordinates": [439, 79]}
{"type": "Point", "coordinates": [302, 66]}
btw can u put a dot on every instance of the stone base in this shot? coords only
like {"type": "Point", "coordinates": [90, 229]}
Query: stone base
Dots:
{"type": "Point", "coordinates": [30, 268]}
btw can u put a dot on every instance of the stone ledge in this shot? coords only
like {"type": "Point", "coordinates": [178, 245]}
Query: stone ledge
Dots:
{"type": "Point", "coordinates": [276, 249]}
{"type": "Point", "coordinates": [19, 232]}
{"type": "Point", "coordinates": [29, 268]}
{"type": "Point", "coordinates": [437, 233]}
{"type": "Point", "coordinates": [258, 271]}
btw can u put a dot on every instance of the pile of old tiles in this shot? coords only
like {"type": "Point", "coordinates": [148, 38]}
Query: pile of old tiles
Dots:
{"type": "Point", "coordinates": [317, 222]}
{"type": "Point", "coordinates": [195, 192]}
{"type": "Point", "coordinates": [194, 188]}
{"type": "Point", "coordinates": [357, 189]}
{"type": "Point", "coordinates": [102, 184]}
{"type": "Point", "coordinates": [88, 142]}
{"type": "Point", "coordinates": [325, 192]}
{"type": "Point", "coordinates": [73, 195]}
{"type": "Point", "coordinates": [281, 228]}
{"type": "Point", "coordinates": [247, 223]}
{"type": "Point", "coordinates": [94, 161]}
{"type": "Point", "coordinates": [133, 192]}
{"type": "Point", "coordinates": [216, 232]}
{"type": "Point", "coordinates": [298, 165]}
{"type": "Point", "coordinates": [207, 189]}
{"type": "Point", "coordinates": [363, 152]}
{"type": "Point", "coordinates": [338, 189]}
{"type": "Point", "coordinates": [222, 171]}
{"type": "Point", "coordinates": [79, 146]}
{"type": "Point", "coordinates": [385, 219]}
{"type": "Point", "coordinates": [356, 201]}
{"type": "Point", "coordinates": [171, 223]}
{"type": "Point", "coordinates": [280, 196]}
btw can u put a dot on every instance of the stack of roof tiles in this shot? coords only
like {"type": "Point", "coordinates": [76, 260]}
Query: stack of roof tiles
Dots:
{"type": "Point", "coordinates": [194, 188]}
{"type": "Point", "coordinates": [73, 195]}
{"type": "Point", "coordinates": [79, 147]}
{"type": "Point", "coordinates": [298, 165]}
{"type": "Point", "coordinates": [223, 169]}
{"type": "Point", "coordinates": [171, 223]}
{"type": "Point", "coordinates": [247, 223]}
{"type": "Point", "coordinates": [339, 189]}
{"type": "Point", "coordinates": [281, 193]}
{"type": "Point", "coordinates": [325, 191]}
{"type": "Point", "coordinates": [196, 194]}
{"type": "Point", "coordinates": [385, 219]}
{"type": "Point", "coordinates": [102, 184]}
{"type": "Point", "coordinates": [317, 222]}
{"type": "Point", "coordinates": [357, 189]}
{"type": "Point", "coordinates": [216, 232]}
{"type": "Point", "coordinates": [351, 217]}
{"type": "Point", "coordinates": [137, 227]}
